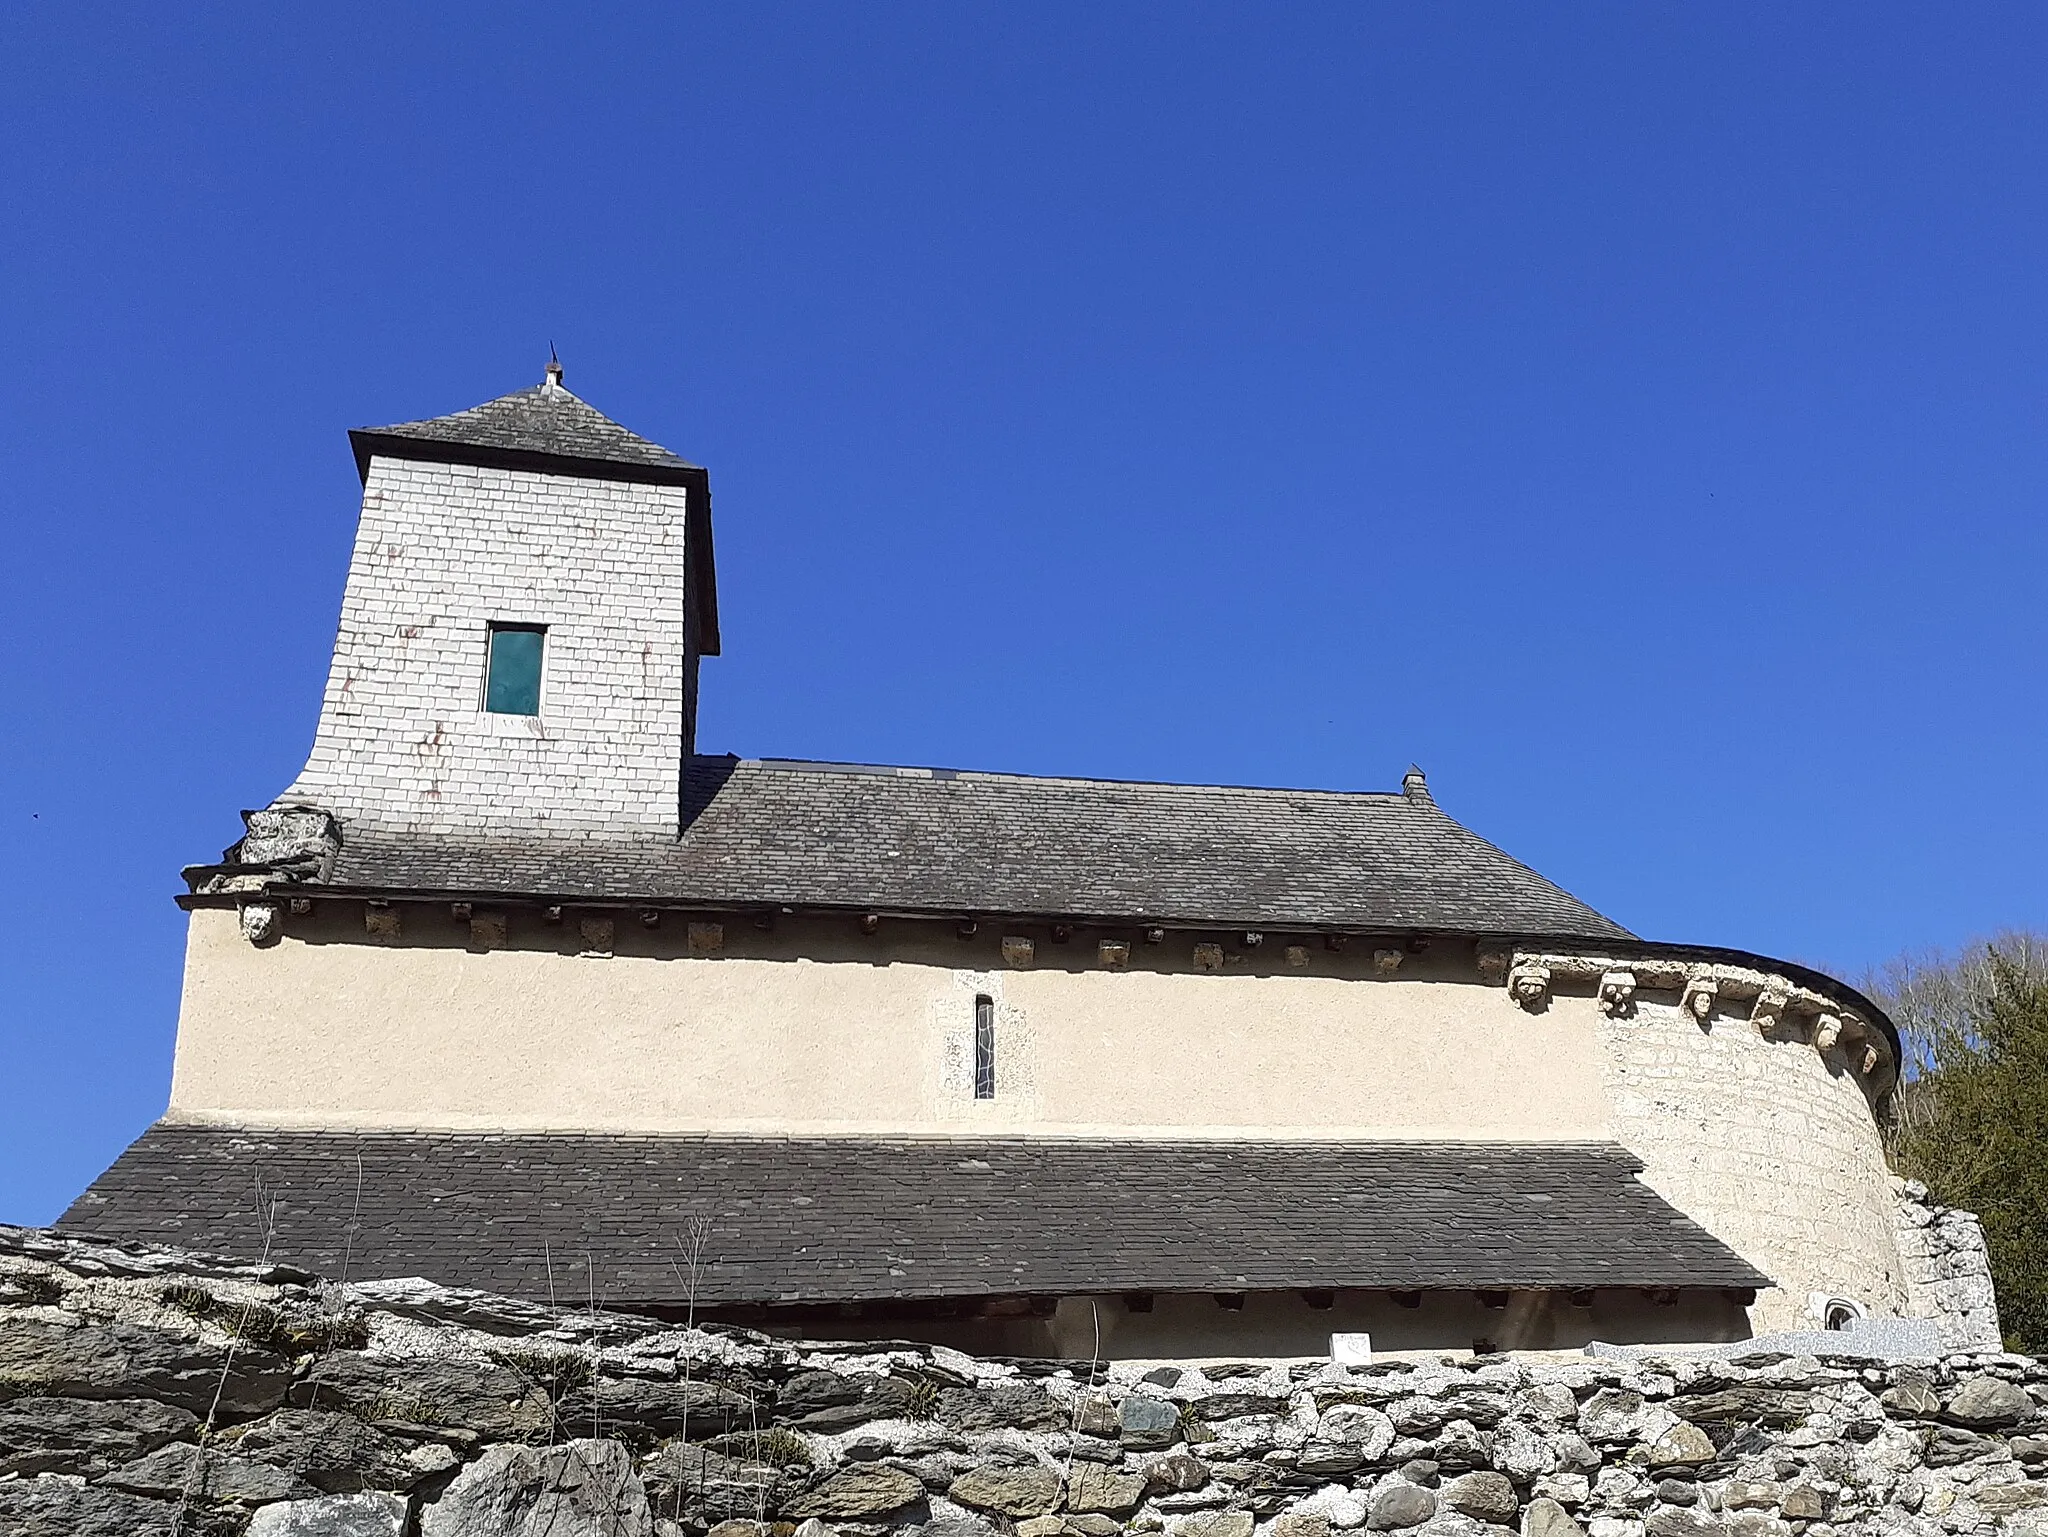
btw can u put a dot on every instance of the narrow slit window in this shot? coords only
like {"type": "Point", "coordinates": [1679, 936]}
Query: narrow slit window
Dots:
{"type": "Point", "coordinates": [512, 679]}
{"type": "Point", "coordinates": [984, 1048]}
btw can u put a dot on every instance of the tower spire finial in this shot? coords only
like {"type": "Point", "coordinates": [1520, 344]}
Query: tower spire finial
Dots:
{"type": "Point", "coordinates": [554, 372]}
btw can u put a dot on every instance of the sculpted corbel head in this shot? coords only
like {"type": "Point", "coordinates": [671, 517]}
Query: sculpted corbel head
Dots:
{"type": "Point", "coordinates": [1769, 1008]}
{"type": "Point", "coordinates": [1529, 985]}
{"type": "Point", "coordinates": [1618, 993]}
{"type": "Point", "coordinates": [260, 922]}
{"type": "Point", "coordinates": [1701, 990]}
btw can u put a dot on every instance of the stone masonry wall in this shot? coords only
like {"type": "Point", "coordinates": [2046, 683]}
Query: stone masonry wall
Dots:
{"type": "Point", "coordinates": [1766, 1143]}
{"type": "Point", "coordinates": [1947, 1268]}
{"type": "Point", "coordinates": [154, 1393]}
{"type": "Point", "coordinates": [441, 551]}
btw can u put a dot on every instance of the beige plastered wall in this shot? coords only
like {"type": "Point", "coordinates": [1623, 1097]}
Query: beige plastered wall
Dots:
{"type": "Point", "coordinates": [1765, 1142]}
{"type": "Point", "coordinates": [792, 1033]}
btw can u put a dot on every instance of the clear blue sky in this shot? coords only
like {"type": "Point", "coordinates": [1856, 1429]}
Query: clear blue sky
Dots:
{"type": "Point", "coordinates": [1634, 414]}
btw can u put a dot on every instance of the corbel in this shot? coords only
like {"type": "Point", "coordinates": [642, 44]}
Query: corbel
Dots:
{"type": "Point", "coordinates": [1771, 1002]}
{"type": "Point", "coordinates": [1529, 984]}
{"type": "Point", "coordinates": [1617, 993]}
{"type": "Point", "coordinates": [261, 922]}
{"type": "Point", "coordinates": [1701, 991]}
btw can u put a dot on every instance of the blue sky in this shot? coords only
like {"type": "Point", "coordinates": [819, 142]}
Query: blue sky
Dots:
{"type": "Point", "coordinates": [1633, 414]}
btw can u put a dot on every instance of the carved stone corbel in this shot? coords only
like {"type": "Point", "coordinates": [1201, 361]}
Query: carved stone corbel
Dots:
{"type": "Point", "coordinates": [1617, 993]}
{"type": "Point", "coordinates": [1827, 1032]}
{"type": "Point", "coordinates": [1529, 985]}
{"type": "Point", "coordinates": [1701, 992]}
{"type": "Point", "coordinates": [261, 922]}
{"type": "Point", "coordinates": [1769, 1007]}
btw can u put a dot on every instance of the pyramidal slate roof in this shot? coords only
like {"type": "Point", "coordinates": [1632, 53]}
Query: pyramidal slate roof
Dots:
{"type": "Point", "coordinates": [770, 833]}
{"type": "Point", "coordinates": [545, 422]}
{"type": "Point", "coordinates": [822, 1219]}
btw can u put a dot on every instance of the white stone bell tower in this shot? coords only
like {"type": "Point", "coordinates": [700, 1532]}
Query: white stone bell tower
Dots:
{"type": "Point", "coordinates": [531, 589]}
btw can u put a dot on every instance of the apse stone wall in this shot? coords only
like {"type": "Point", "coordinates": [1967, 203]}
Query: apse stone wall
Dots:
{"type": "Point", "coordinates": [1768, 1144]}
{"type": "Point", "coordinates": [150, 1392]}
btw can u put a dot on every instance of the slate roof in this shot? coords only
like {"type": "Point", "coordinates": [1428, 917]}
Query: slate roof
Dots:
{"type": "Point", "coordinates": [772, 833]}
{"type": "Point", "coordinates": [840, 1219]}
{"type": "Point", "coordinates": [546, 421]}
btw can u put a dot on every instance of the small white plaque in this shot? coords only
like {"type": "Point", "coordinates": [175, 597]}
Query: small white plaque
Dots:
{"type": "Point", "coordinates": [1351, 1349]}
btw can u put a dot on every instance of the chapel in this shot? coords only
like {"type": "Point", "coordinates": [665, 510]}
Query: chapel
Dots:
{"type": "Point", "coordinates": [515, 987]}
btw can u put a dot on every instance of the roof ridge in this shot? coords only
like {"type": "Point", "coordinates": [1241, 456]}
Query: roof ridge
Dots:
{"type": "Point", "coordinates": [911, 771]}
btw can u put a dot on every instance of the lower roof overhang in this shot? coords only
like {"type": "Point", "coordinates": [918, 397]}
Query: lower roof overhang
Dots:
{"type": "Point", "coordinates": [660, 1220]}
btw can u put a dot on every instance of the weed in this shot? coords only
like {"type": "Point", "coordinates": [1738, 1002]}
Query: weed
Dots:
{"type": "Point", "coordinates": [188, 1298]}
{"type": "Point", "coordinates": [924, 1400]}
{"type": "Point", "coordinates": [559, 1371]}
{"type": "Point", "coordinates": [778, 1448]}
{"type": "Point", "coordinates": [407, 1409]}
{"type": "Point", "coordinates": [36, 1288]}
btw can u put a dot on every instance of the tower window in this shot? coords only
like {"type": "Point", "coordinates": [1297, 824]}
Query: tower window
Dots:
{"type": "Point", "coordinates": [984, 1048]}
{"type": "Point", "coordinates": [512, 682]}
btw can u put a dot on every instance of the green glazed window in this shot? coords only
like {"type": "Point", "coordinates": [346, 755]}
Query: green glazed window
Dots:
{"type": "Point", "coordinates": [512, 686]}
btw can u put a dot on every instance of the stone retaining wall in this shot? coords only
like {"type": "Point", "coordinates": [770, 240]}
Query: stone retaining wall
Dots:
{"type": "Point", "coordinates": [1947, 1268]}
{"type": "Point", "coordinates": [151, 1392]}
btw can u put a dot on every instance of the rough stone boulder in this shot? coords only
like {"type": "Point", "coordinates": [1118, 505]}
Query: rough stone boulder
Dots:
{"type": "Point", "coordinates": [1368, 1429]}
{"type": "Point", "coordinates": [1681, 1521]}
{"type": "Point", "coordinates": [1545, 1517]}
{"type": "Point", "coordinates": [491, 1401]}
{"type": "Point", "coordinates": [1776, 1407]}
{"type": "Point", "coordinates": [653, 1408]}
{"type": "Point", "coordinates": [1007, 1406]}
{"type": "Point", "coordinates": [127, 1360]}
{"type": "Point", "coordinates": [1401, 1505]}
{"type": "Point", "coordinates": [1094, 1488]}
{"type": "Point", "coordinates": [332, 1515]}
{"type": "Point", "coordinates": [1235, 1406]}
{"type": "Point", "coordinates": [1989, 1403]}
{"type": "Point", "coordinates": [1485, 1497]}
{"type": "Point", "coordinates": [55, 1506]}
{"type": "Point", "coordinates": [1179, 1473]}
{"type": "Point", "coordinates": [1147, 1422]}
{"type": "Point", "coordinates": [577, 1489]}
{"type": "Point", "coordinates": [1023, 1489]}
{"type": "Point", "coordinates": [684, 1479]}
{"type": "Point", "coordinates": [1681, 1446]}
{"type": "Point", "coordinates": [85, 1435]}
{"type": "Point", "coordinates": [864, 1492]}
{"type": "Point", "coordinates": [829, 1403]}
{"type": "Point", "coordinates": [339, 1454]}
{"type": "Point", "coordinates": [178, 1470]}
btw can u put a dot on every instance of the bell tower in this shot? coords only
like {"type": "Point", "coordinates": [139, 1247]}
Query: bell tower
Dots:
{"type": "Point", "coordinates": [530, 594]}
